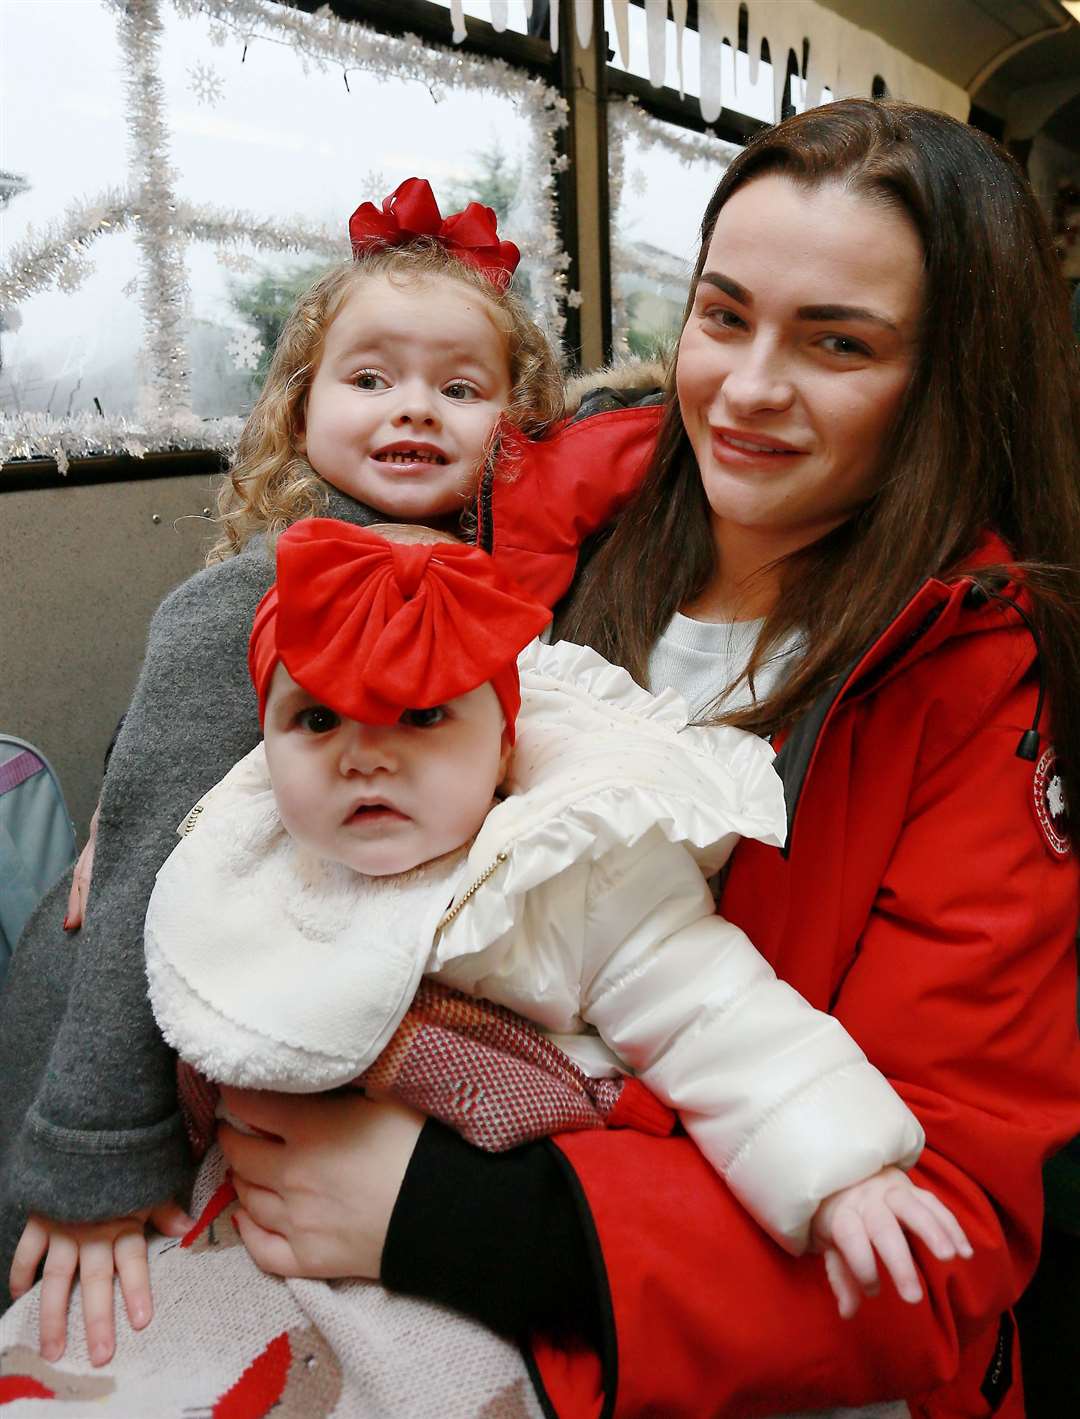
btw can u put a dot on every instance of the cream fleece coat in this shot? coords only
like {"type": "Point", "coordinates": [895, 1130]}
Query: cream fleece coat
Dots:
{"type": "Point", "coordinates": [582, 904]}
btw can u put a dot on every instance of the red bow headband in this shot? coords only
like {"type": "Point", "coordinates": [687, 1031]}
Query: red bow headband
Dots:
{"type": "Point", "coordinates": [411, 211]}
{"type": "Point", "coordinates": [372, 628]}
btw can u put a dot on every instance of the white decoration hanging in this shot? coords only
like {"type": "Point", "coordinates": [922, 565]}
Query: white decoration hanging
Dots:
{"type": "Point", "coordinates": [656, 37]}
{"type": "Point", "coordinates": [457, 18]}
{"type": "Point", "coordinates": [843, 57]}
{"type": "Point", "coordinates": [678, 14]}
{"type": "Point", "coordinates": [583, 13]}
{"type": "Point", "coordinates": [498, 15]}
{"type": "Point", "coordinates": [553, 26]}
{"type": "Point", "coordinates": [718, 20]}
{"type": "Point", "coordinates": [620, 10]}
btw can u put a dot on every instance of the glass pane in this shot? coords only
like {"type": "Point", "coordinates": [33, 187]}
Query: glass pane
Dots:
{"type": "Point", "coordinates": [295, 173]}
{"type": "Point", "coordinates": [268, 151]}
{"type": "Point", "coordinates": [72, 333]}
{"type": "Point", "coordinates": [661, 180]}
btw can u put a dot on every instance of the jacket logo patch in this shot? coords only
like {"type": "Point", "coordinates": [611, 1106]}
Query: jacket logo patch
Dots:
{"type": "Point", "coordinates": [1048, 798]}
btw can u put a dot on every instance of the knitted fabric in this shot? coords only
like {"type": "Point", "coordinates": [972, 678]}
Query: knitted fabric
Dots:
{"type": "Point", "coordinates": [480, 1069]}
{"type": "Point", "coordinates": [228, 1341]}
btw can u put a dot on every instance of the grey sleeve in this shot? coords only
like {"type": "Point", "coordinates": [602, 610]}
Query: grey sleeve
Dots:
{"type": "Point", "coordinates": [89, 1126]}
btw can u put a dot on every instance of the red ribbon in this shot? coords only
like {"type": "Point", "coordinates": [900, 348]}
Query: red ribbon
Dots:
{"type": "Point", "coordinates": [411, 211]}
{"type": "Point", "coordinates": [372, 628]}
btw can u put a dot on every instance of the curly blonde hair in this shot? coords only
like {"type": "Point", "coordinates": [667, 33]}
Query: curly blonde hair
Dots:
{"type": "Point", "coordinates": [271, 484]}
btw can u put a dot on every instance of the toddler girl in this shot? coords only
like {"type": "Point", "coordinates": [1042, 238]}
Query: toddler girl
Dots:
{"type": "Point", "coordinates": [396, 379]}
{"type": "Point", "coordinates": [361, 846]}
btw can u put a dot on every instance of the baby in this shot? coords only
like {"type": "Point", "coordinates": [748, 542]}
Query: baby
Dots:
{"type": "Point", "coordinates": [365, 844]}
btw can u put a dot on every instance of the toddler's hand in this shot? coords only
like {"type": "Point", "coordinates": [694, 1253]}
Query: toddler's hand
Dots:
{"type": "Point", "coordinates": [80, 882]}
{"type": "Point", "coordinates": [93, 1251]}
{"type": "Point", "coordinates": [854, 1223]}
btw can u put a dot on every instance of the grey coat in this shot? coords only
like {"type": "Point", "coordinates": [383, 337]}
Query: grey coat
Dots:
{"type": "Point", "coordinates": [89, 1126]}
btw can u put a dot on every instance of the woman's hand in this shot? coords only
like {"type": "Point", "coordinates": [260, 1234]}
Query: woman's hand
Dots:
{"type": "Point", "coordinates": [94, 1251]}
{"type": "Point", "coordinates": [316, 1196]}
{"type": "Point", "coordinates": [872, 1216]}
{"type": "Point", "coordinates": [80, 882]}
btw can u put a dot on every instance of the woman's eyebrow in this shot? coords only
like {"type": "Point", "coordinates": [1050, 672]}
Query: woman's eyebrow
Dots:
{"type": "Point", "coordinates": [727, 285]}
{"type": "Point", "coordinates": [844, 312]}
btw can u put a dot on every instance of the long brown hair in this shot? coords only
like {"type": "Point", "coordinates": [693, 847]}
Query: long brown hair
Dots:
{"type": "Point", "coordinates": [271, 484]}
{"type": "Point", "coordinates": [987, 436]}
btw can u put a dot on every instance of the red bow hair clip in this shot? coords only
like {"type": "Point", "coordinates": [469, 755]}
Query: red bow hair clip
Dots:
{"type": "Point", "coordinates": [372, 628]}
{"type": "Point", "coordinates": [411, 211]}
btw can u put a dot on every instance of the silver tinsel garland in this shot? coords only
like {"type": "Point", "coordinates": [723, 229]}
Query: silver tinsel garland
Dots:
{"type": "Point", "coordinates": [164, 284]}
{"type": "Point", "coordinates": [163, 223]}
{"type": "Point", "coordinates": [83, 435]}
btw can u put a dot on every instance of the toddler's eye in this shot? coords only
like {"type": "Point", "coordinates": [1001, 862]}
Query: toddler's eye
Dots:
{"type": "Point", "coordinates": [423, 718]}
{"type": "Point", "coordinates": [460, 389]}
{"type": "Point", "coordinates": [370, 380]}
{"type": "Point", "coordinates": [317, 719]}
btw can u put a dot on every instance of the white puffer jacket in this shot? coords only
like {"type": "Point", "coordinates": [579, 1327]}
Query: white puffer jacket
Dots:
{"type": "Point", "coordinates": [582, 904]}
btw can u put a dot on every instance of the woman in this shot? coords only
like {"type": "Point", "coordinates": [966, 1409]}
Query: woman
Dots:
{"type": "Point", "coordinates": [861, 534]}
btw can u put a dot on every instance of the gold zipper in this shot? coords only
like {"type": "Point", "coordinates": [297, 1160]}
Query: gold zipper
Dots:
{"type": "Point", "coordinates": [471, 892]}
{"type": "Point", "coordinates": [190, 821]}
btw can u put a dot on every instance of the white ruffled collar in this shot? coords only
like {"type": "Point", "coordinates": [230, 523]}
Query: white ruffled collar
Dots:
{"type": "Point", "coordinates": [599, 762]}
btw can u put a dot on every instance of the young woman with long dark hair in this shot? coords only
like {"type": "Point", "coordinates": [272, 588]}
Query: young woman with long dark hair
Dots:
{"type": "Point", "coordinates": [861, 535]}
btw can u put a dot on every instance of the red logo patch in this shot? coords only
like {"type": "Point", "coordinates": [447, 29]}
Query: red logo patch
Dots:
{"type": "Point", "coordinates": [1051, 809]}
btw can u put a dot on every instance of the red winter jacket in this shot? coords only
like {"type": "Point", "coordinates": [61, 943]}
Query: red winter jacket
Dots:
{"type": "Point", "coordinates": [547, 497]}
{"type": "Point", "coordinates": [922, 901]}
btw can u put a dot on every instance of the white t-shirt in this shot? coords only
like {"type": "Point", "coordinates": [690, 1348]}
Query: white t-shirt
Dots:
{"type": "Point", "coordinates": [699, 659]}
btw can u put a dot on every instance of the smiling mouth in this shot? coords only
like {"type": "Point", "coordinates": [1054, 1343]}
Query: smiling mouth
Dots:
{"type": "Point", "coordinates": [411, 455]}
{"type": "Point", "coordinates": [748, 446]}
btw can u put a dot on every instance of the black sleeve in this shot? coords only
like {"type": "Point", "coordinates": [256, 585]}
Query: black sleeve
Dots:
{"type": "Point", "coordinates": [498, 1236]}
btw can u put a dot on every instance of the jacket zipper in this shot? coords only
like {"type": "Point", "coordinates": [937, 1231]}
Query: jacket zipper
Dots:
{"type": "Point", "coordinates": [471, 892]}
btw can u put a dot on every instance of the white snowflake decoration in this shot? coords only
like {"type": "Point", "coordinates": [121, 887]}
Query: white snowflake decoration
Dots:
{"type": "Point", "coordinates": [206, 84]}
{"type": "Point", "coordinates": [130, 288]}
{"type": "Point", "coordinates": [1055, 797]}
{"type": "Point", "coordinates": [245, 350]}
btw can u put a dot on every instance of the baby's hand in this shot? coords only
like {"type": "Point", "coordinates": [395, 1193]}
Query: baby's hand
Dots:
{"type": "Point", "coordinates": [94, 1251]}
{"type": "Point", "coordinates": [855, 1222]}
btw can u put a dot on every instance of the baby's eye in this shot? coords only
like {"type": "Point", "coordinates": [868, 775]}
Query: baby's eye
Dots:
{"type": "Point", "coordinates": [317, 719]}
{"type": "Point", "coordinates": [423, 718]}
{"type": "Point", "coordinates": [370, 380]}
{"type": "Point", "coordinates": [461, 389]}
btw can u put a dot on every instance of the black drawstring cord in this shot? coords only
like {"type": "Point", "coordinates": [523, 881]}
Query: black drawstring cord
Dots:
{"type": "Point", "coordinates": [979, 595]}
